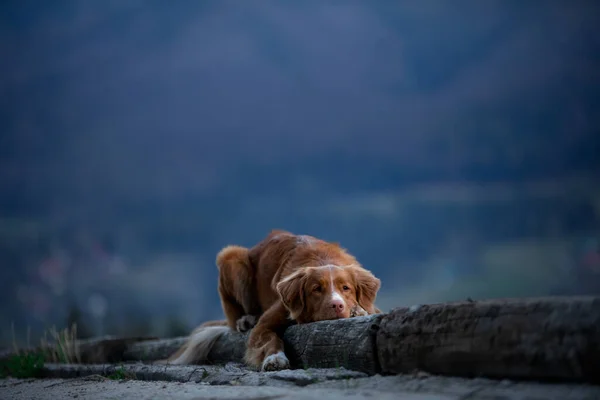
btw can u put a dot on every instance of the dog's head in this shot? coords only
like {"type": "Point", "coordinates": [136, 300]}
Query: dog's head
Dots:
{"type": "Point", "coordinates": [328, 292]}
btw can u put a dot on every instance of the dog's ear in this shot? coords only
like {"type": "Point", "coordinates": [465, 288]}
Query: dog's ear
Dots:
{"type": "Point", "coordinates": [367, 286]}
{"type": "Point", "coordinates": [291, 292]}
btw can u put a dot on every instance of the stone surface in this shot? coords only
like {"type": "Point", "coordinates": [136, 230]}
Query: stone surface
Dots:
{"type": "Point", "coordinates": [537, 339]}
{"type": "Point", "coordinates": [228, 374]}
{"type": "Point", "coordinates": [138, 390]}
{"type": "Point", "coordinates": [234, 381]}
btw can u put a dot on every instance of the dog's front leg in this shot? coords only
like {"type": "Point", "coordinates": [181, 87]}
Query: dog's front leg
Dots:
{"type": "Point", "coordinates": [265, 344]}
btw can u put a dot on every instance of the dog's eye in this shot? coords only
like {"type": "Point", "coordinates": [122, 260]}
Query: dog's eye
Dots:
{"type": "Point", "coordinates": [317, 289]}
{"type": "Point", "coordinates": [346, 287]}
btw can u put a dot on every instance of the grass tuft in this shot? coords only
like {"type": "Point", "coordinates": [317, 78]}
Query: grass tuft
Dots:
{"type": "Point", "coordinates": [121, 374]}
{"type": "Point", "coordinates": [61, 348]}
{"type": "Point", "coordinates": [26, 365]}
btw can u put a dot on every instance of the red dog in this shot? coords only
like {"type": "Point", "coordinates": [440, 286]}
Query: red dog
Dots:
{"type": "Point", "coordinates": [284, 278]}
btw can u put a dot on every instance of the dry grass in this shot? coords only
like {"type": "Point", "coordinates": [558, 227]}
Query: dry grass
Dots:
{"type": "Point", "coordinates": [29, 363]}
{"type": "Point", "coordinates": [55, 346]}
{"type": "Point", "coordinates": [63, 347]}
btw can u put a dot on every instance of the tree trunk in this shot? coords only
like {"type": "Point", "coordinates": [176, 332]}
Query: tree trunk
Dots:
{"type": "Point", "coordinates": [543, 339]}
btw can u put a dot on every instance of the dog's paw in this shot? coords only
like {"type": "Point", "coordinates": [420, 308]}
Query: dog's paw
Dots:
{"type": "Point", "coordinates": [358, 311]}
{"type": "Point", "coordinates": [246, 323]}
{"type": "Point", "coordinates": [276, 362]}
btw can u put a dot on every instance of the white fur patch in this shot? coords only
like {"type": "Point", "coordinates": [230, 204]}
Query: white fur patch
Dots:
{"type": "Point", "coordinates": [334, 293]}
{"type": "Point", "coordinates": [276, 362]}
{"type": "Point", "coordinates": [336, 296]}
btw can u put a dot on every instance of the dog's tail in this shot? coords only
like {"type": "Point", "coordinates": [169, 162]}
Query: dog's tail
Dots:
{"type": "Point", "coordinates": [198, 345]}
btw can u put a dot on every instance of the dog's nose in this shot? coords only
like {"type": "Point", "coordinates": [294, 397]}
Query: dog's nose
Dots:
{"type": "Point", "coordinates": [338, 305]}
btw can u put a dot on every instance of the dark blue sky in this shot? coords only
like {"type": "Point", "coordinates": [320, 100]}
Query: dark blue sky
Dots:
{"type": "Point", "coordinates": [166, 97]}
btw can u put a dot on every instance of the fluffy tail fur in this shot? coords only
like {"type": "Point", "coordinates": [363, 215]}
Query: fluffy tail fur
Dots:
{"type": "Point", "coordinates": [198, 346]}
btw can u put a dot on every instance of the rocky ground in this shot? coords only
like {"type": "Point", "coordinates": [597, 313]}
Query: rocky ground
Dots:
{"type": "Point", "coordinates": [233, 381]}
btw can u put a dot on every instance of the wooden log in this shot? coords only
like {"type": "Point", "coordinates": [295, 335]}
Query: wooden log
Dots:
{"type": "Point", "coordinates": [108, 350]}
{"type": "Point", "coordinates": [100, 350]}
{"type": "Point", "coordinates": [229, 348]}
{"type": "Point", "coordinates": [535, 339]}
{"type": "Point", "coordinates": [348, 343]}
{"type": "Point", "coordinates": [153, 351]}
{"type": "Point", "coordinates": [541, 339]}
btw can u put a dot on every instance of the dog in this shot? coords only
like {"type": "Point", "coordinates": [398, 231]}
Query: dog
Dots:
{"type": "Point", "coordinates": [284, 279]}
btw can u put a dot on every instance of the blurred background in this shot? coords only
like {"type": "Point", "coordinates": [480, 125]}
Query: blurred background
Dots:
{"type": "Point", "coordinates": [453, 147]}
